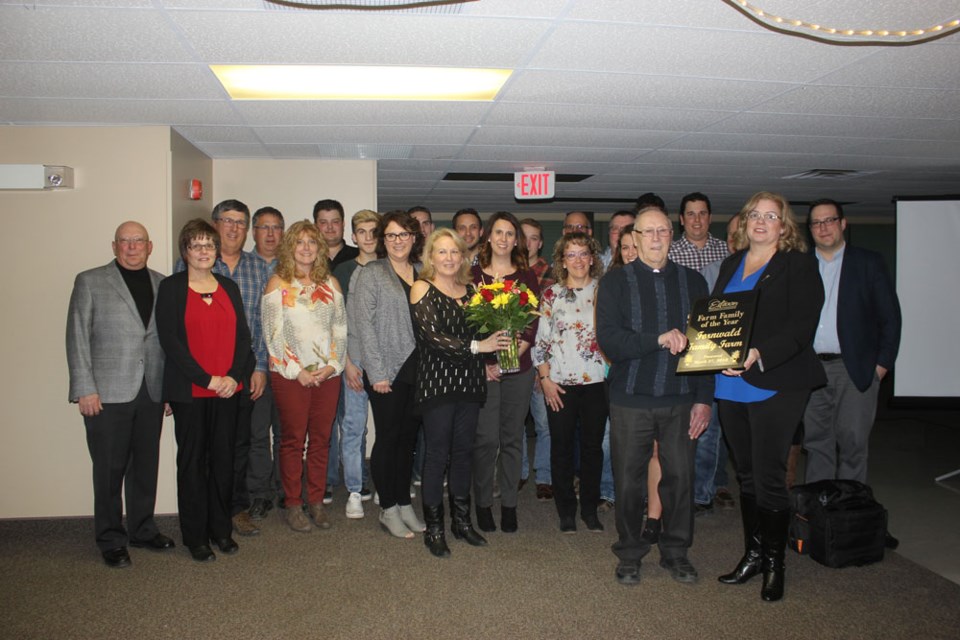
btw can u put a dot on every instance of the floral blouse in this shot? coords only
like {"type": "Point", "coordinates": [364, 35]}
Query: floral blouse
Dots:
{"type": "Point", "coordinates": [567, 335]}
{"type": "Point", "coordinates": [305, 327]}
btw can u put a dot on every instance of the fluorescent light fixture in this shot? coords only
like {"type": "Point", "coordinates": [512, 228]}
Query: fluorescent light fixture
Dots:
{"type": "Point", "coordinates": [328, 82]}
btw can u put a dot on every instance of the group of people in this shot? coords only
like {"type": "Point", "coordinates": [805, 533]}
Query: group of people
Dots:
{"type": "Point", "coordinates": [296, 338]}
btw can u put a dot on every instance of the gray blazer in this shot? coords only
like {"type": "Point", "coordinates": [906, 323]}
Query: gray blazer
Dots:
{"type": "Point", "coordinates": [108, 350]}
{"type": "Point", "coordinates": [381, 331]}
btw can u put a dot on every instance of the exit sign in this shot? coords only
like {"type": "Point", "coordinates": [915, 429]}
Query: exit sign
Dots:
{"type": "Point", "coordinates": [533, 185]}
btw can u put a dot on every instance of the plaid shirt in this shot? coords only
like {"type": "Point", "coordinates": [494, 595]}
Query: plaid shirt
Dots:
{"type": "Point", "coordinates": [542, 270]}
{"type": "Point", "coordinates": [251, 276]}
{"type": "Point", "coordinates": [685, 253]}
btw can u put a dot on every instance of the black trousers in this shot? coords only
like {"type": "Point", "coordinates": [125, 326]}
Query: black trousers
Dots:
{"type": "Point", "coordinates": [759, 435]}
{"type": "Point", "coordinates": [391, 461]}
{"type": "Point", "coordinates": [206, 439]}
{"type": "Point", "coordinates": [586, 406]}
{"type": "Point", "coordinates": [632, 433]}
{"type": "Point", "coordinates": [124, 444]}
{"type": "Point", "coordinates": [448, 434]}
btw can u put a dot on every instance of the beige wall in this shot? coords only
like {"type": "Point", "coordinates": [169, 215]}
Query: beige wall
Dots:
{"type": "Point", "coordinates": [121, 173]}
{"type": "Point", "coordinates": [293, 186]}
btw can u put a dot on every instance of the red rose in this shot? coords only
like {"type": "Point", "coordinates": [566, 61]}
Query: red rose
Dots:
{"type": "Point", "coordinates": [487, 295]}
{"type": "Point", "coordinates": [507, 285]}
{"type": "Point", "coordinates": [524, 299]}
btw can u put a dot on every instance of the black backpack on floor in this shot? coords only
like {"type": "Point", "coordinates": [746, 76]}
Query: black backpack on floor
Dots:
{"type": "Point", "coordinates": [838, 523]}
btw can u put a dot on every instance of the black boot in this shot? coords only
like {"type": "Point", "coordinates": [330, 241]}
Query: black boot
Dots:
{"type": "Point", "coordinates": [749, 564]}
{"type": "Point", "coordinates": [508, 519]}
{"type": "Point", "coordinates": [485, 519]}
{"type": "Point", "coordinates": [433, 537]}
{"type": "Point", "coordinates": [773, 543]}
{"type": "Point", "coordinates": [460, 525]}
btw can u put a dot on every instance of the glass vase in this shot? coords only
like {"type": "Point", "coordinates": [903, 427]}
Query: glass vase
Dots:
{"type": "Point", "coordinates": [509, 359]}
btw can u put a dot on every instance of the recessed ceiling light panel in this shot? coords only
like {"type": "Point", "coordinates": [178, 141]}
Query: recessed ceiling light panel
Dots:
{"type": "Point", "coordinates": [336, 82]}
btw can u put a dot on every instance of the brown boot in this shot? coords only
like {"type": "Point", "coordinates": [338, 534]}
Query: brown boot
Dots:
{"type": "Point", "coordinates": [319, 514]}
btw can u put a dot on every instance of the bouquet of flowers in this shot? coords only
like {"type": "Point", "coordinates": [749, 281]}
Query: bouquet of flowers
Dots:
{"type": "Point", "coordinates": [503, 305]}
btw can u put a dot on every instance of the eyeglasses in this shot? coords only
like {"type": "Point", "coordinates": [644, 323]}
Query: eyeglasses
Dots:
{"type": "Point", "coordinates": [577, 255]}
{"type": "Point", "coordinates": [393, 237]}
{"type": "Point", "coordinates": [653, 233]}
{"type": "Point", "coordinates": [197, 247]}
{"type": "Point", "coordinates": [269, 228]}
{"type": "Point", "coordinates": [132, 242]}
{"type": "Point", "coordinates": [826, 222]}
{"type": "Point", "coordinates": [756, 216]}
{"type": "Point", "coordinates": [239, 223]}
{"type": "Point", "coordinates": [576, 227]}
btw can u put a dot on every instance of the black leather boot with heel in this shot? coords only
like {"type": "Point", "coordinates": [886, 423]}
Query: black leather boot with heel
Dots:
{"type": "Point", "coordinates": [749, 565]}
{"type": "Point", "coordinates": [434, 538]}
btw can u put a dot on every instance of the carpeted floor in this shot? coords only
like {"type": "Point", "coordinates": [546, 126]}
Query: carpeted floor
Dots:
{"type": "Point", "coordinates": [354, 581]}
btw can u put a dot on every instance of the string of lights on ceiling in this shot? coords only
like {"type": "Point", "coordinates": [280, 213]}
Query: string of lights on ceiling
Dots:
{"type": "Point", "coordinates": [845, 35]}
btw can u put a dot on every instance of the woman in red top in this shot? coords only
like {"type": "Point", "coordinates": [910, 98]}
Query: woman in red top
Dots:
{"type": "Point", "coordinates": [205, 337]}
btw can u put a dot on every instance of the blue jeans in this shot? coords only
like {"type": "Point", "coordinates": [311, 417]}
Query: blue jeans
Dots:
{"type": "Point", "coordinates": [607, 491]}
{"type": "Point", "coordinates": [349, 446]}
{"type": "Point", "coordinates": [541, 452]}
{"type": "Point", "coordinates": [708, 463]}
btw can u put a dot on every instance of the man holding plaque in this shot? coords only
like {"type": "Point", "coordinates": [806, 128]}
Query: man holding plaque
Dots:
{"type": "Point", "coordinates": [642, 312]}
{"type": "Point", "coordinates": [857, 341]}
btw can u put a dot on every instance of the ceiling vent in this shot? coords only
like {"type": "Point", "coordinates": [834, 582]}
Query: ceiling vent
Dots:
{"type": "Point", "coordinates": [829, 174]}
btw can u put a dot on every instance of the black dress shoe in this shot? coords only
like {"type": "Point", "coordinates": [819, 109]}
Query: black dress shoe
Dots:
{"type": "Point", "coordinates": [568, 524]}
{"type": "Point", "coordinates": [260, 508]}
{"type": "Point", "coordinates": [890, 542]}
{"type": "Point", "coordinates": [158, 542]}
{"type": "Point", "coordinates": [203, 553]}
{"type": "Point", "coordinates": [117, 558]}
{"type": "Point", "coordinates": [593, 523]}
{"type": "Point", "coordinates": [680, 569]}
{"type": "Point", "coordinates": [227, 545]}
{"type": "Point", "coordinates": [628, 572]}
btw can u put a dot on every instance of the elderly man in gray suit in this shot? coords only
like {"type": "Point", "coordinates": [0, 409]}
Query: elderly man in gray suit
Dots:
{"type": "Point", "coordinates": [116, 375]}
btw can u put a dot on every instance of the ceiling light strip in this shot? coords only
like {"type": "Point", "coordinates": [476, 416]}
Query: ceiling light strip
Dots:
{"type": "Point", "coordinates": [829, 33]}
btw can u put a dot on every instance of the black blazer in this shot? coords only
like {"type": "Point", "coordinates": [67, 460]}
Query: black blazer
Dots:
{"type": "Point", "coordinates": [788, 311]}
{"type": "Point", "coordinates": [181, 369]}
{"type": "Point", "coordinates": [868, 315]}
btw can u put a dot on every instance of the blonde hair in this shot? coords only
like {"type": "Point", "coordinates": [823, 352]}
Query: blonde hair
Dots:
{"type": "Point", "coordinates": [790, 240]}
{"type": "Point", "coordinates": [286, 266]}
{"type": "Point", "coordinates": [429, 271]}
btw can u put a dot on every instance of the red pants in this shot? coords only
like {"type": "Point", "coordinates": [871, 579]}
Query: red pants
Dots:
{"type": "Point", "coordinates": [305, 412]}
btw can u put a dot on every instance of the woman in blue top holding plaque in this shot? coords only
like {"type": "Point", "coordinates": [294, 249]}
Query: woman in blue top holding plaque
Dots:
{"type": "Point", "coordinates": [761, 404]}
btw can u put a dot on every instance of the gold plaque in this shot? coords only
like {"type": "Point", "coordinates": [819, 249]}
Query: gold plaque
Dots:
{"type": "Point", "coordinates": [718, 333]}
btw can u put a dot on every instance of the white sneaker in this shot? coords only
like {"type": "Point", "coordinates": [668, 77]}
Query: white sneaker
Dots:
{"type": "Point", "coordinates": [354, 506]}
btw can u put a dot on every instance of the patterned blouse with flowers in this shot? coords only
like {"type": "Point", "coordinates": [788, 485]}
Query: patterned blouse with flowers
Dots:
{"type": "Point", "coordinates": [567, 335]}
{"type": "Point", "coordinates": [305, 327]}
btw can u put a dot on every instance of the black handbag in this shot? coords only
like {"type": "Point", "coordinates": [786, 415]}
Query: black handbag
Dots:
{"type": "Point", "coordinates": [838, 523]}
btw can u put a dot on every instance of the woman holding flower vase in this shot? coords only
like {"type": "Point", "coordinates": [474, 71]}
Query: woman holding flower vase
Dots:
{"type": "Point", "coordinates": [305, 328]}
{"type": "Point", "coordinates": [572, 370]}
{"type": "Point", "coordinates": [451, 385]}
{"type": "Point", "coordinates": [503, 258]}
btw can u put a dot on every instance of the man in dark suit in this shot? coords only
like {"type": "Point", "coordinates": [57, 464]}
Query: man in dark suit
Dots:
{"type": "Point", "coordinates": [857, 340]}
{"type": "Point", "coordinates": [116, 375]}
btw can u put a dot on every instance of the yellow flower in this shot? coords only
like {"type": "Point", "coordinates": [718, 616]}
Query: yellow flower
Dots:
{"type": "Point", "coordinates": [501, 300]}
{"type": "Point", "coordinates": [532, 299]}
{"type": "Point", "coordinates": [496, 286]}
{"type": "Point", "coordinates": [476, 299]}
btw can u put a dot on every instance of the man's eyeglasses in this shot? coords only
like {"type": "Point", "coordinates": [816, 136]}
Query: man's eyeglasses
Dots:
{"type": "Point", "coordinates": [826, 222]}
{"type": "Point", "coordinates": [653, 233]}
{"type": "Point", "coordinates": [576, 227]}
{"type": "Point", "coordinates": [239, 223]}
